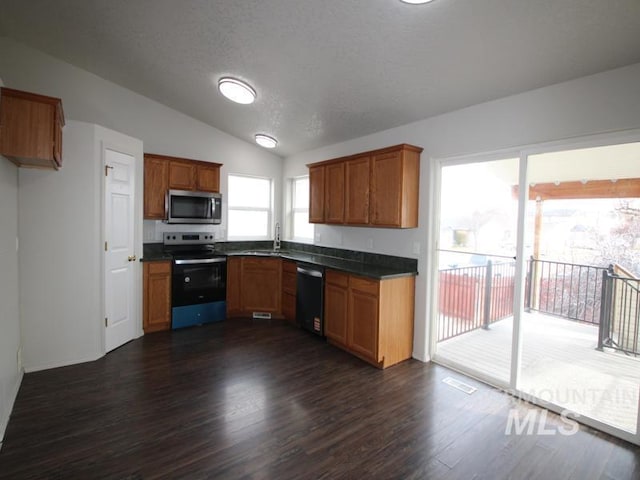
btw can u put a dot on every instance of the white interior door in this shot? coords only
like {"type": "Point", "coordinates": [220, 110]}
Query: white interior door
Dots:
{"type": "Point", "coordinates": [119, 248]}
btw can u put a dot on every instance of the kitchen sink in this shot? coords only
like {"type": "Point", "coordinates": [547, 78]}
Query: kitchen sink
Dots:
{"type": "Point", "coordinates": [262, 253]}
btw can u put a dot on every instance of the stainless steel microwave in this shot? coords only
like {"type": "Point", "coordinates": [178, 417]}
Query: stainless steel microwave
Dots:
{"type": "Point", "coordinates": [184, 206]}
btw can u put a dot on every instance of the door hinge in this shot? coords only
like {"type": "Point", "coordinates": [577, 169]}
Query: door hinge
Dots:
{"type": "Point", "coordinates": [106, 170]}
{"type": "Point", "coordinates": [106, 248]}
{"type": "Point", "coordinates": [106, 322]}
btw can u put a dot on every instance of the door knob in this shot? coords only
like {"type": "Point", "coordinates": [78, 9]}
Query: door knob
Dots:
{"type": "Point", "coordinates": [132, 258]}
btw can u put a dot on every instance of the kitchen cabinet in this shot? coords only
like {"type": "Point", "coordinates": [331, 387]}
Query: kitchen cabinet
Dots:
{"type": "Point", "coordinates": [254, 285]}
{"type": "Point", "coordinates": [372, 319]}
{"type": "Point", "coordinates": [336, 306]}
{"type": "Point", "coordinates": [316, 194]}
{"type": "Point", "coordinates": [182, 175]}
{"type": "Point", "coordinates": [381, 188]}
{"type": "Point", "coordinates": [289, 288]}
{"type": "Point", "coordinates": [261, 285]}
{"type": "Point", "coordinates": [234, 269]}
{"type": "Point", "coordinates": [356, 173]}
{"type": "Point", "coordinates": [162, 173]}
{"type": "Point", "coordinates": [156, 296]}
{"type": "Point", "coordinates": [31, 129]}
{"type": "Point", "coordinates": [156, 184]}
{"type": "Point", "coordinates": [395, 181]}
{"type": "Point", "coordinates": [334, 193]}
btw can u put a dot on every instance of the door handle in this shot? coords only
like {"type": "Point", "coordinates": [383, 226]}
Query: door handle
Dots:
{"type": "Point", "coordinates": [132, 258]}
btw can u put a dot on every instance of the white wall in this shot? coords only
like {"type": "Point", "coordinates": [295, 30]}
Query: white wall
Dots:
{"type": "Point", "coordinates": [60, 236]}
{"type": "Point", "coordinates": [10, 369]}
{"type": "Point", "coordinates": [89, 98]}
{"type": "Point", "coordinates": [606, 102]}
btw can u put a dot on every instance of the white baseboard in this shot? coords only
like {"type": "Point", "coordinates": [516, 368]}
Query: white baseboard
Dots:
{"type": "Point", "coordinates": [4, 418]}
{"type": "Point", "coordinates": [66, 363]}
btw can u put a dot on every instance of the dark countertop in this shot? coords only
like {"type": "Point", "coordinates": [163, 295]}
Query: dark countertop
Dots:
{"type": "Point", "coordinates": [155, 252]}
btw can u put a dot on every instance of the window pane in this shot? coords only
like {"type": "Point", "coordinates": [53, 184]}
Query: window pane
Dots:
{"type": "Point", "coordinates": [243, 223]}
{"type": "Point", "coordinates": [301, 193]}
{"type": "Point", "coordinates": [301, 226]}
{"type": "Point", "coordinates": [249, 192]}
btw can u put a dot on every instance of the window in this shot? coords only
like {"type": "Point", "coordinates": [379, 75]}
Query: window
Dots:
{"type": "Point", "coordinates": [250, 207]}
{"type": "Point", "coordinates": [301, 229]}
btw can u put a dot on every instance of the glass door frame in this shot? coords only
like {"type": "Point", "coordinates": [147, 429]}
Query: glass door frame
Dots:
{"type": "Point", "coordinates": [522, 153]}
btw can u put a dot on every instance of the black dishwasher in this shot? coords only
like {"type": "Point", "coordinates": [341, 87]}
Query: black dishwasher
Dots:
{"type": "Point", "coordinates": [310, 297]}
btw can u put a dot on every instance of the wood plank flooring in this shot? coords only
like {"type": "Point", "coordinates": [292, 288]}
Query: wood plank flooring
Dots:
{"type": "Point", "coordinates": [262, 400]}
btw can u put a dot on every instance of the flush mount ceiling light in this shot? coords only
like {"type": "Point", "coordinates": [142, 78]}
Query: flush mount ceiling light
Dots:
{"type": "Point", "coordinates": [236, 90]}
{"type": "Point", "coordinates": [416, 2]}
{"type": "Point", "coordinates": [266, 141]}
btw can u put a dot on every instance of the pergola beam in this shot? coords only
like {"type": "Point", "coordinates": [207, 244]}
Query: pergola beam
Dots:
{"type": "Point", "coordinates": [622, 188]}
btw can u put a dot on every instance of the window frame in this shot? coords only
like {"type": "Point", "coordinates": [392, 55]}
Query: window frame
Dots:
{"type": "Point", "coordinates": [269, 210]}
{"type": "Point", "coordinates": [293, 210]}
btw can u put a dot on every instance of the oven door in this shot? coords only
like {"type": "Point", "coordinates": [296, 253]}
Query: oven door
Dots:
{"type": "Point", "coordinates": [197, 281]}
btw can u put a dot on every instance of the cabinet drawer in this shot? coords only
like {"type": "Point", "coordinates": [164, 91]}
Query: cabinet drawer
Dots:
{"type": "Point", "coordinates": [337, 278]}
{"type": "Point", "coordinates": [364, 285]}
{"type": "Point", "coordinates": [159, 267]}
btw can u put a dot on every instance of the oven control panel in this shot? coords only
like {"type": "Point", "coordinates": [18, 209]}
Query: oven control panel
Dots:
{"type": "Point", "coordinates": [188, 238]}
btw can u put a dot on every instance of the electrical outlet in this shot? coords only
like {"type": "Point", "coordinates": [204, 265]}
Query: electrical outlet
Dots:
{"type": "Point", "coordinates": [416, 248]}
{"type": "Point", "coordinates": [318, 236]}
{"type": "Point", "coordinates": [370, 243]}
{"type": "Point", "coordinates": [19, 359]}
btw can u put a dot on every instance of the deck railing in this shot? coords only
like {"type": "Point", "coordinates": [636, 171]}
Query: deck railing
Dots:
{"type": "Point", "coordinates": [474, 297]}
{"type": "Point", "coordinates": [620, 313]}
{"type": "Point", "coordinates": [566, 290]}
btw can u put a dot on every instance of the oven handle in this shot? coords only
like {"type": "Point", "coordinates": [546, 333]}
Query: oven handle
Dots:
{"type": "Point", "coordinates": [197, 261]}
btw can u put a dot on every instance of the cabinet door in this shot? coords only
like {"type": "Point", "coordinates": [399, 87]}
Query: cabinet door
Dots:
{"type": "Point", "coordinates": [362, 332]}
{"type": "Point", "coordinates": [334, 193]}
{"type": "Point", "coordinates": [261, 285]}
{"type": "Point", "coordinates": [357, 191]}
{"type": "Point", "coordinates": [208, 178]}
{"type": "Point", "coordinates": [182, 175]}
{"type": "Point", "coordinates": [156, 183]}
{"type": "Point", "coordinates": [157, 296]}
{"type": "Point", "coordinates": [386, 189]}
{"type": "Point", "coordinates": [316, 194]}
{"type": "Point", "coordinates": [234, 307]}
{"type": "Point", "coordinates": [335, 312]}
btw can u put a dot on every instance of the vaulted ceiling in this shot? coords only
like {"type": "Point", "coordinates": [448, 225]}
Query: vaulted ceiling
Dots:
{"type": "Point", "coordinates": [330, 70]}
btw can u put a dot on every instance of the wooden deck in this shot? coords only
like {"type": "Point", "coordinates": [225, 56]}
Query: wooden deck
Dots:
{"type": "Point", "coordinates": [560, 364]}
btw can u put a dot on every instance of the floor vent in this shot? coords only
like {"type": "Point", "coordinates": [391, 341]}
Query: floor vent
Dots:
{"type": "Point", "coordinates": [468, 389]}
{"type": "Point", "coordinates": [262, 315]}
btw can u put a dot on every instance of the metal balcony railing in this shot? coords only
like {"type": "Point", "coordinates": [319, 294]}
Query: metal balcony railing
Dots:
{"type": "Point", "coordinates": [566, 290]}
{"type": "Point", "coordinates": [620, 313]}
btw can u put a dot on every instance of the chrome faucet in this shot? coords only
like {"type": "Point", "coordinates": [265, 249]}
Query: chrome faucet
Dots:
{"type": "Point", "coordinates": [276, 238]}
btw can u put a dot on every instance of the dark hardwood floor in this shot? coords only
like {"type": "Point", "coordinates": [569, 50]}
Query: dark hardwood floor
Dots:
{"type": "Point", "coordinates": [262, 400]}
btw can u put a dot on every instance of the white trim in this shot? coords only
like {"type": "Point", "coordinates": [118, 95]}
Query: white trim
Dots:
{"type": "Point", "coordinates": [4, 419]}
{"type": "Point", "coordinates": [64, 363]}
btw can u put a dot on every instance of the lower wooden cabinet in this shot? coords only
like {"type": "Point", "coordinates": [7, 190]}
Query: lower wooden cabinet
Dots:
{"type": "Point", "coordinates": [289, 288]}
{"type": "Point", "coordinates": [157, 296]}
{"type": "Point", "coordinates": [254, 284]}
{"type": "Point", "coordinates": [373, 319]}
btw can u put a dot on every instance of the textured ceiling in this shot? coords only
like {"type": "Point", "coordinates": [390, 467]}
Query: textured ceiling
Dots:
{"type": "Point", "coordinates": [330, 70]}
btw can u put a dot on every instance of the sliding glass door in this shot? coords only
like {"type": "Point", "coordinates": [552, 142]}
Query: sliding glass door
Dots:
{"type": "Point", "coordinates": [476, 267]}
{"type": "Point", "coordinates": [538, 281]}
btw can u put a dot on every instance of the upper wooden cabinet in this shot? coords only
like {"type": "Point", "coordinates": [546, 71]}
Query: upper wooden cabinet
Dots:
{"type": "Point", "coordinates": [377, 188]}
{"type": "Point", "coordinates": [162, 173]}
{"type": "Point", "coordinates": [334, 193]}
{"type": "Point", "coordinates": [182, 175]}
{"type": "Point", "coordinates": [156, 184]}
{"type": "Point", "coordinates": [357, 191]}
{"type": "Point", "coordinates": [316, 194]}
{"type": "Point", "coordinates": [31, 129]}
